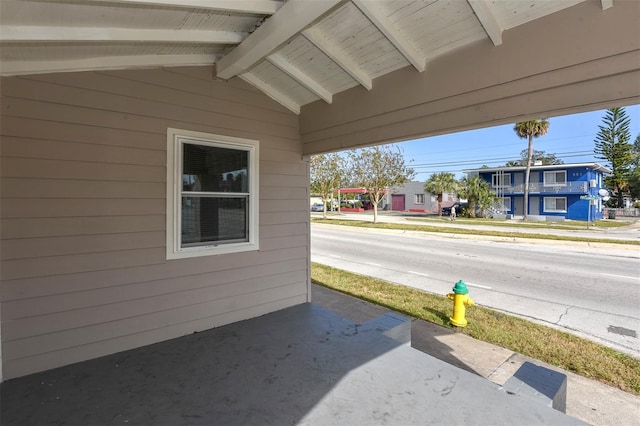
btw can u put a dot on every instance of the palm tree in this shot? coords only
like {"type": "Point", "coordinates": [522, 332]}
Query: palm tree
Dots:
{"type": "Point", "coordinates": [439, 183]}
{"type": "Point", "coordinates": [478, 194]}
{"type": "Point", "coordinates": [529, 130]}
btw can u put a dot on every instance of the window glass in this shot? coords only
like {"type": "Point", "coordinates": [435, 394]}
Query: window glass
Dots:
{"type": "Point", "coordinates": [212, 203]}
{"type": "Point", "coordinates": [214, 169]}
{"type": "Point", "coordinates": [208, 220]}
{"type": "Point", "coordinates": [553, 204]}
{"type": "Point", "coordinates": [501, 180]}
{"type": "Point", "coordinates": [555, 178]}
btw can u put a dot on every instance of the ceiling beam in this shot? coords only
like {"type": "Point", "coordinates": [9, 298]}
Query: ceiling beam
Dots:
{"type": "Point", "coordinates": [8, 68]}
{"type": "Point", "coordinates": [316, 37]}
{"type": "Point", "coordinates": [271, 91]}
{"type": "Point", "coordinates": [487, 19]}
{"type": "Point", "coordinates": [302, 78]}
{"type": "Point", "coordinates": [371, 9]}
{"type": "Point", "coordinates": [290, 20]}
{"type": "Point", "coordinates": [606, 4]}
{"type": "Point", "coordinates": [10, 33]}
{"type": "Point", "coordinates": [257, 7]}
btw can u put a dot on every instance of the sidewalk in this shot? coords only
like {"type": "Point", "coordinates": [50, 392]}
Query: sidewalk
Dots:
{"type": "Point", "coordinates": [587, 400]}
{"type": "Point", "coordinates": [632, 232]}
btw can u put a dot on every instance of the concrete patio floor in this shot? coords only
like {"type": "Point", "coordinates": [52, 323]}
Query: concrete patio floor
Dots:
{"type": "Point", "coordinates": [302, 365]}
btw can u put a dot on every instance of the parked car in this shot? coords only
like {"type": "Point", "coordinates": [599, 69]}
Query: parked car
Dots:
{"type": "Point", "coordinates": [317, 207]}
{"type": "Point", "coordinates": [446, 211]}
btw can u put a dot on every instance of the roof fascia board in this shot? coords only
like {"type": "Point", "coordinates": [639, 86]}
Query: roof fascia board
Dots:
{"type": "Point", "coordinates": [103, 63]}
{"type": "Point", "coordinates": [594, 166]}
{"type": "Point", "coordinates": [258, 7]}
{"type": "Point", "coordinates": [316, 37]}
{"type": "Point", "coordinates": [488, 20]}
{"type": "Point", "coordinates": [272, 92]}
{"type": "Point", "coordinates": [302, 78]}
{"type": "Point", "coordinates": [70, 34]}
{"type": "Point", "coordinates": [371, 9]}
{"type": "Point", "coordinates": [290, 20]}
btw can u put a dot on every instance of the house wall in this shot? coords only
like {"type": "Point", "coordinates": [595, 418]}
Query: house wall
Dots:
{"type": "Point", "coordinates": [410, 189]}
{"type": "Point", "coordinates": [484, 85]}
{"type": "Point", "coordinates": [83, 263]}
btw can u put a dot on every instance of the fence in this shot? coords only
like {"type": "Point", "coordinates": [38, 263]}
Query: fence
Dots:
{"type": "Point", "coordinates": [628, 212]}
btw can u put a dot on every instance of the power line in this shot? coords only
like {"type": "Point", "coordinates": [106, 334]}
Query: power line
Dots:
{"type": "Point", "coordinates": [568, 154]}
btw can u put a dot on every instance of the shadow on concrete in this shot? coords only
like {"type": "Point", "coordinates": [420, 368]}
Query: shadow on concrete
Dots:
{"type": "Point", "coordinates": [270, 370]}
{"type": "Point", "coordinates": [301, 365]}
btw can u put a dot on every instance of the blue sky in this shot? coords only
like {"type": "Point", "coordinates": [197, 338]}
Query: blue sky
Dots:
{"type": "Point", "coordinates": [570, 138]}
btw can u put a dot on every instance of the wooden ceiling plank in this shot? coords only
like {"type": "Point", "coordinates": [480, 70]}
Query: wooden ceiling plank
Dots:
{"type": "Point", "coordinates": [10, 33]}
{"type": "Point", "coordinates": [270, 91]}
{"type": "Point", "coordinates": [342, 60]}
{"type": "Point", "coordinates": [8, 68]}
{"type": "Point", "coordinates": [371, 9]}
{"type": "Point", "coordinates": [302, 78]}
{"type": "Point", "coordinates": [258, 7]}
{"type": "Point", "coordinates": [487, 20]}
{"type": "Point", "coordinates": [290, 20]}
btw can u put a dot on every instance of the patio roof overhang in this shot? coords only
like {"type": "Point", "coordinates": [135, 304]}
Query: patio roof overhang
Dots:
{"type": "Point", "coordinates": [358, 72]}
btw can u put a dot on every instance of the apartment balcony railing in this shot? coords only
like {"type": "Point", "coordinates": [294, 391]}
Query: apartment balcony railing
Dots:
{"type": "Point", "coordinates": [541, 188]}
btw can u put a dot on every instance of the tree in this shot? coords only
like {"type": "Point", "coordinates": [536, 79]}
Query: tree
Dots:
{"type": "Point", "coordinates": [529, 130]}
{"type": "Point", "coordinates": [613, 144]}
{"type": "Point", "coordinates": [439, 183]}
{"type": "Point", "coordinates": [537, 156]}
{"type": "Point", "coordinates": [326, 171]}
{"type": "Point", "coordinates": [377, 169]}
{"type": "Point", "coordinates": [477, 192]}
{"type": "Point", "coordinates": [634, 176]}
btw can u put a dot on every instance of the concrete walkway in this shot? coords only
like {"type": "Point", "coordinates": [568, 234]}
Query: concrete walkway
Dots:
{"type": "Point", "coordinates": [587, 400]}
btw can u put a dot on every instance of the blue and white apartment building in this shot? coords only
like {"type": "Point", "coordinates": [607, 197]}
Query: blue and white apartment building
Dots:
{"type": "Point", "coordinates": [569, 191]}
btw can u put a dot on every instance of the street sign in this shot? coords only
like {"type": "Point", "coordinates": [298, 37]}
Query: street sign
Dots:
{"type": "Point", "coordinates": [589, 197]}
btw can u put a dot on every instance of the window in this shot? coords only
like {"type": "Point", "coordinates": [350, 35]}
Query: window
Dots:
{"type": "Point", "coordinates": [555, 178]}
{"type": "Point", "coordinates": [504, 203]}
{"type": "Point", "coordinates": [500, 180]}
{"type": "Point", "coordinates": [555, 204]}
{"type": "Point", "coordinates": [212, 194]}
{"type": "Point", "coordinates": [418, 199]}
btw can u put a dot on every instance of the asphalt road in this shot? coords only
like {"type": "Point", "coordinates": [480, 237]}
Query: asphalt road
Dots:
{"type": "Point", "coordinates": [588, 291]}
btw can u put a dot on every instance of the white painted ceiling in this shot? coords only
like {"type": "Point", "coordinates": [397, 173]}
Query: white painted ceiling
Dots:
{"type": "Point", "coordinates": [295, 51]}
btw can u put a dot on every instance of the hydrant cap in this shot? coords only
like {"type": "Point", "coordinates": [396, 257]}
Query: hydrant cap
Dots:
{"type": "Point", "coordinates": [460, 288]}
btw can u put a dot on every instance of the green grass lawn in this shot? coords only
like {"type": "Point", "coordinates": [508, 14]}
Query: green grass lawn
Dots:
{"type": "Point", "coordinates": [546, 344]}
{"type": "Point", "coordinates": [567, 224]}
{"type": "Point", "coordinates": [467, 231]}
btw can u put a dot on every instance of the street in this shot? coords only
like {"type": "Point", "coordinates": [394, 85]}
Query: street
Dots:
{"type": "Point", "coordinates": [587, 291]}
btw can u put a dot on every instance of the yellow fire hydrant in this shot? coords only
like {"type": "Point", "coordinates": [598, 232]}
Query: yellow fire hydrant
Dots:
{"type": "Point", "coordinates": [460, 297]}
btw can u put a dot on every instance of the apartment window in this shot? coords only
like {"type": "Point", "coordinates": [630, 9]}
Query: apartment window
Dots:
{"type": "Point", "coordinates": [504, 203]}
{"type": "Point", "coordinates": [555, 178]}
{"type": "Point", "coordinates": [500, 180]}
{"type": "Point", "coordinates": [212, 194]}
{"type": "Point", "coordinates": [555, 204]}
{"type": "Point", "coordinates": [418, 199]}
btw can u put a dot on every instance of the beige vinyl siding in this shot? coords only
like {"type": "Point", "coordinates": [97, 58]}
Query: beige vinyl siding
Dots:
{"type": "Point", "coordinates": [82, 214]}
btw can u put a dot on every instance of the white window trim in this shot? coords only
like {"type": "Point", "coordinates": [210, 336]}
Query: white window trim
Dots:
{"type": "Point", "coordinates": [506, 178]}
{"type": "Point", "coordinates": [174, 185]}
{"type": "Point", "coordinates": [554, 173]}
{"type": "Point", "coordinates": [544, 205]}
{"type": "Point", "coordinates": [506, 202]}
{"type": "Point", "coordinates": [416, 201]}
